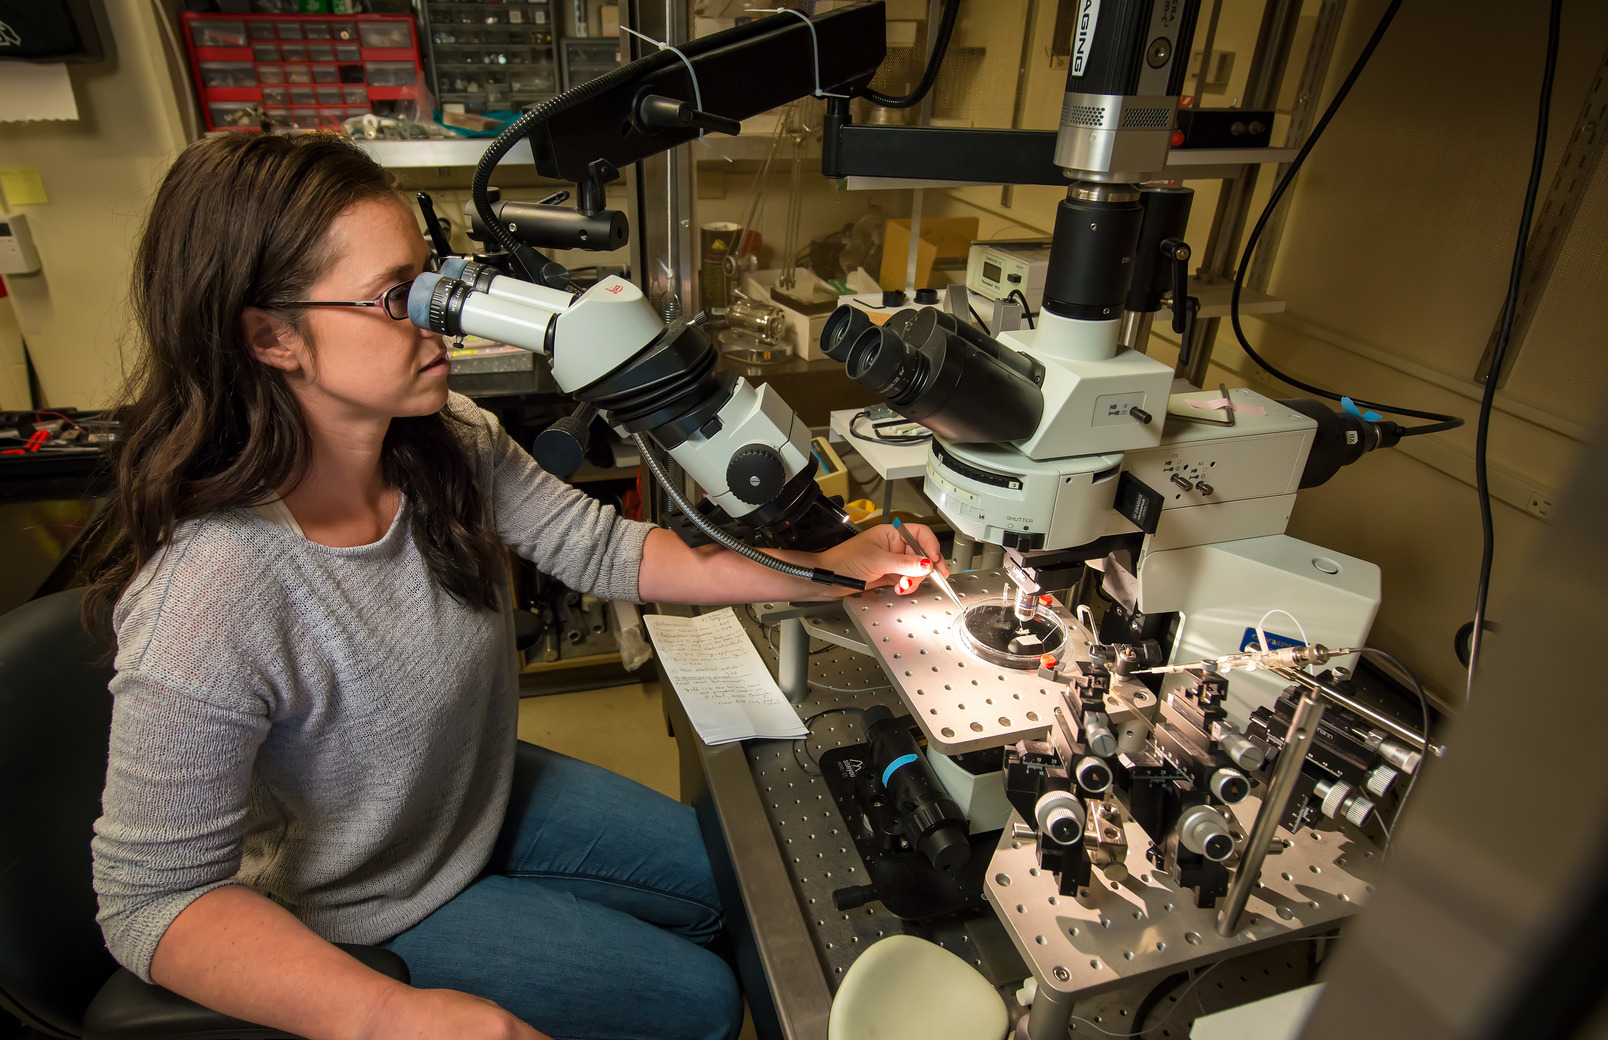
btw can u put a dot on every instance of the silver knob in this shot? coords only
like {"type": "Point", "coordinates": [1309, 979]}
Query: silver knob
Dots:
{"type": "Point", "coordinates": [1060, 814]}
{"type": "Point", "coordinates": [1379, 780]}
{"type": "Point", "coordinates": [1243, 751]}
{"type": "Point", "coordinates": [1097, 734]}
{"type": "Point", "coordinates": [1399, 755]}
{"type": "Point", "coordinates": [1203, 831]}
{"type": "Point", "coordinates": [1341, 801]}
{"type": "Point", "coordinates": [1092, 775]}
{"type": "Point", "coordinates": [1229, 785]}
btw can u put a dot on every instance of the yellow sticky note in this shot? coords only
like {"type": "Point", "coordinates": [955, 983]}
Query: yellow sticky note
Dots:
{"type": "Point", "coordinates": [21, 186]}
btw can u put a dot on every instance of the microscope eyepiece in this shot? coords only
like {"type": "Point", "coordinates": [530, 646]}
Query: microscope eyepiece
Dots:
{"type": "Point", "coordinates": [940, 372]}
{"type": "Point", "coordinates": [843, 327]}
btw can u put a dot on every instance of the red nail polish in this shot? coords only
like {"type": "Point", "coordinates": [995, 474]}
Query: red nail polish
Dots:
{"type": "Point", "coordinates": [926, 563]}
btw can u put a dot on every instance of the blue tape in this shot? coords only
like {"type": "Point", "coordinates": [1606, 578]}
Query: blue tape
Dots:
{"type": "Point", "coordinates": [902, 760]}
{"type": "Point", "coordinates": [1349, 405]}
{"type": "Point", "coordinates": [1274, 641]}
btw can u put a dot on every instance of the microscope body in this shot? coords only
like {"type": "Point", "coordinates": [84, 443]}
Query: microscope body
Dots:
{"type": "Point", "coordinates": [609, 348]}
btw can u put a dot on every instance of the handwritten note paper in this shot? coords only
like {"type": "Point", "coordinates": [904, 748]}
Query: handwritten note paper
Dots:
{"type": "Point", "coordinates": [725, 687]}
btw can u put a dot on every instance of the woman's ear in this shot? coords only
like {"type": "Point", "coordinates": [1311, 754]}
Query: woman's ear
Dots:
{"type": "Point", "coordinates": [271, 341]}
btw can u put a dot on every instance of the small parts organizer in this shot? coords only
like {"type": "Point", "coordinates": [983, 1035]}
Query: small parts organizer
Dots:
{"type": "Point", "coordinates": [305, 71]}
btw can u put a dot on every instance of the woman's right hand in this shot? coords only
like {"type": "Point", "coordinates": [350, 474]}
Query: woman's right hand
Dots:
{"type": "Point", "coordinates": [439, 1014]}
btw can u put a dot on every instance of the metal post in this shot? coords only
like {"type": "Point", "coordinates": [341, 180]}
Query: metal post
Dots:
{"type": "Point", "coordinates": [1135, 333]}
{"type": "Point", "coordinates": [793, 660]}
{"type": "Point", "coordinates": [1303, 727]}
{"type": "Point", "coordinates": [964, 550]}
{"type": "Point", "coordinates": [1051, 1014]}
{"type": "Point", "coordinates": [1384, 722]}
{"type": "Point", "coordinates": [1273, 42]}
{"type": "Point", "coordinates": [666, 243]}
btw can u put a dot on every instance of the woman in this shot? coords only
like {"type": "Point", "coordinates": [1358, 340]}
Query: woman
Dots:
{"type": "Point", "coordinates": [315, 700]}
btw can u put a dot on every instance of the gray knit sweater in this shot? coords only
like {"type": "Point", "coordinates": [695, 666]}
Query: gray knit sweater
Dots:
{"type": "Point", "coordinates": [325, 725]}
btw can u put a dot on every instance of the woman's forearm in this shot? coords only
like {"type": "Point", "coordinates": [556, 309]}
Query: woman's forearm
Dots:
{"type": "Point", "coordinates": [674, 573]}
{"type": "Point", "coordinates": [240, 953]}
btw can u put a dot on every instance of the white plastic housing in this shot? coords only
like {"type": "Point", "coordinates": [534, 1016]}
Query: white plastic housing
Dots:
{"type": "Point", "coordinates": [1090, 389]}
{"type": "Point", "coordinates": [750, 417]}
{"type": "Point", "coordinates": [603, 329]}
{"type": "Point", "coordinates": [1067, 500]}
{"type": "Point", "coordinates": [1223, 590]}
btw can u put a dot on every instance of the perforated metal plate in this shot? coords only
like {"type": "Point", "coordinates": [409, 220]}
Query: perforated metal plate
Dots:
{"type": "Point", "coordinates": [962, 702]}
{"type": "Point", "coordinates": [1145, 924]}
{"type": "Point", "coordinates": [806, 823]}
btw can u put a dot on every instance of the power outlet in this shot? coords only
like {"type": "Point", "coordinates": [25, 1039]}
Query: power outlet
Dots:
{"type": "Point", "coordinates": [1539, 506]}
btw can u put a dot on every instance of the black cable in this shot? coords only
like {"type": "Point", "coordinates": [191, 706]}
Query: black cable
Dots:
{"type": "Point", "coordinates": [1027, 312]}
{"type": "Point", "coordinates": [525, 124]}
{"type": "Point", "coordinates": [946, 26]}
{"type": "Point", "coordinates": [805, 739]}
{"type": "Point", "coordinates": [1442, 421]}
{"type": "Point", "coordinates": [978, 318]}
{"type": "Point", "coordinates": [1493, 373]}
{"type": "Point", "coordinates": [878, 437]}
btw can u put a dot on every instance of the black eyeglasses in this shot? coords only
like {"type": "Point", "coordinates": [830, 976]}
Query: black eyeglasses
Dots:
{"type": "Point", "coordinates": [394, 300]}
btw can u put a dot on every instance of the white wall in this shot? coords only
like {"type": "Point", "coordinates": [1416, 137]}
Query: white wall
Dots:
{"type": "Point", "coordinates": [1394, 261]}
{"type": "Point", "coordinates": [98, 173]}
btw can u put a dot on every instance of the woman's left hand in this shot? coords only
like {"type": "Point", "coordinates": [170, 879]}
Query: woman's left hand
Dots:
{"type": "Point", "coordinates": [880, 557]}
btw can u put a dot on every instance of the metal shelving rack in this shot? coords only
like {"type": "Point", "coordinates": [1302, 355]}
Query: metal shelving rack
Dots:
{"type": "Point", "coordinates": [490, 56]}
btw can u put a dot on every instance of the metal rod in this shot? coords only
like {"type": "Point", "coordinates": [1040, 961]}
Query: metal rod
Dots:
{"type": "Point", "coordinates": [1303, 727]}
{"type": "Point", "coordinates": [963, 552]}
{"type": "Point", "coordinates": [1273, 42]}
{"type": "Point", "coordinates": [1135, 333]}
{"type": "Point", "coordinates": [1051, 1015]}
{"type": "Point", "coordinates": [1384, 722]}
{"type": "Point", "coordinates": [1207, 43]}
{"type": "Point", "coordinates": [793, 660]}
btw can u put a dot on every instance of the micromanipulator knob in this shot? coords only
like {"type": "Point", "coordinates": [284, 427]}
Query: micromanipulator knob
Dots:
{"type": "Point", "coordinates": [1245, 752]}
{"type": "Point", "coordinates": [1341, 801]}
{"type": "Point", "coordinates": [1203, 831]}
{"type": "Point", "coordinates": [1229, 785]}
{"type": "Point", "coordinates": [1402, 757]}
{"type": "Point", "coordinates": [1092, 775]}
{"type": "Point", "coordinates": [1379, 780]}
{"type": "Point", "coordinates": [1097, 734]}
{"type": "Point", "coordinates": [1061, 815]}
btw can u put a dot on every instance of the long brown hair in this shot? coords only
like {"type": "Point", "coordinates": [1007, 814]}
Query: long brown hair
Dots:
{"type": "Point", "coordinates": [241, 220]}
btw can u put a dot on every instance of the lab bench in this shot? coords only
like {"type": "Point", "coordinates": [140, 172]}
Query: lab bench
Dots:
{"type": "Point", "coordinates": [780, 849]}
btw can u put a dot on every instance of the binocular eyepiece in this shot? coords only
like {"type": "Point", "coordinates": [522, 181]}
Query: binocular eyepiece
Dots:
{"type": "Point", "coordinates": [920, 358]}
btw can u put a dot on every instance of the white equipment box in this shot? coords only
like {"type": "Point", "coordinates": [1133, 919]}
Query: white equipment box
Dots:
{"type": "Point", "coordinates": [995, 269]}
{"type": "Point", "coordinates": [17, 255]}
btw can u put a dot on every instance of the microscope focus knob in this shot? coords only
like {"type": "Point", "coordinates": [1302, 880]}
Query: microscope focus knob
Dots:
{"type": "Point", "coordinates": [1203, 831]}
{"type": "Point", "coordinates": [1060, 815]}
{"type": "Point", "coordinates": [756, 474]}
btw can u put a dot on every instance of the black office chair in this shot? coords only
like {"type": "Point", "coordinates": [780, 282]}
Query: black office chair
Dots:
{"type": "Point", "coordinates": [55, 973]}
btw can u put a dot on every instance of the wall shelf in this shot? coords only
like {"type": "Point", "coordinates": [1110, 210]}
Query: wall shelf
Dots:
{"type": "Point", "coordinates": [465, 151]}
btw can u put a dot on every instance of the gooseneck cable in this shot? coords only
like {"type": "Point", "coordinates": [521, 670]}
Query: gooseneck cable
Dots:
{"type": "Point", "coordinates": [815, 574]}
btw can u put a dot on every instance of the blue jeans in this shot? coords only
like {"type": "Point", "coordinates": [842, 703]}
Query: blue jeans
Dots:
{"type": "Point", "coordinates": [590, 918]}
